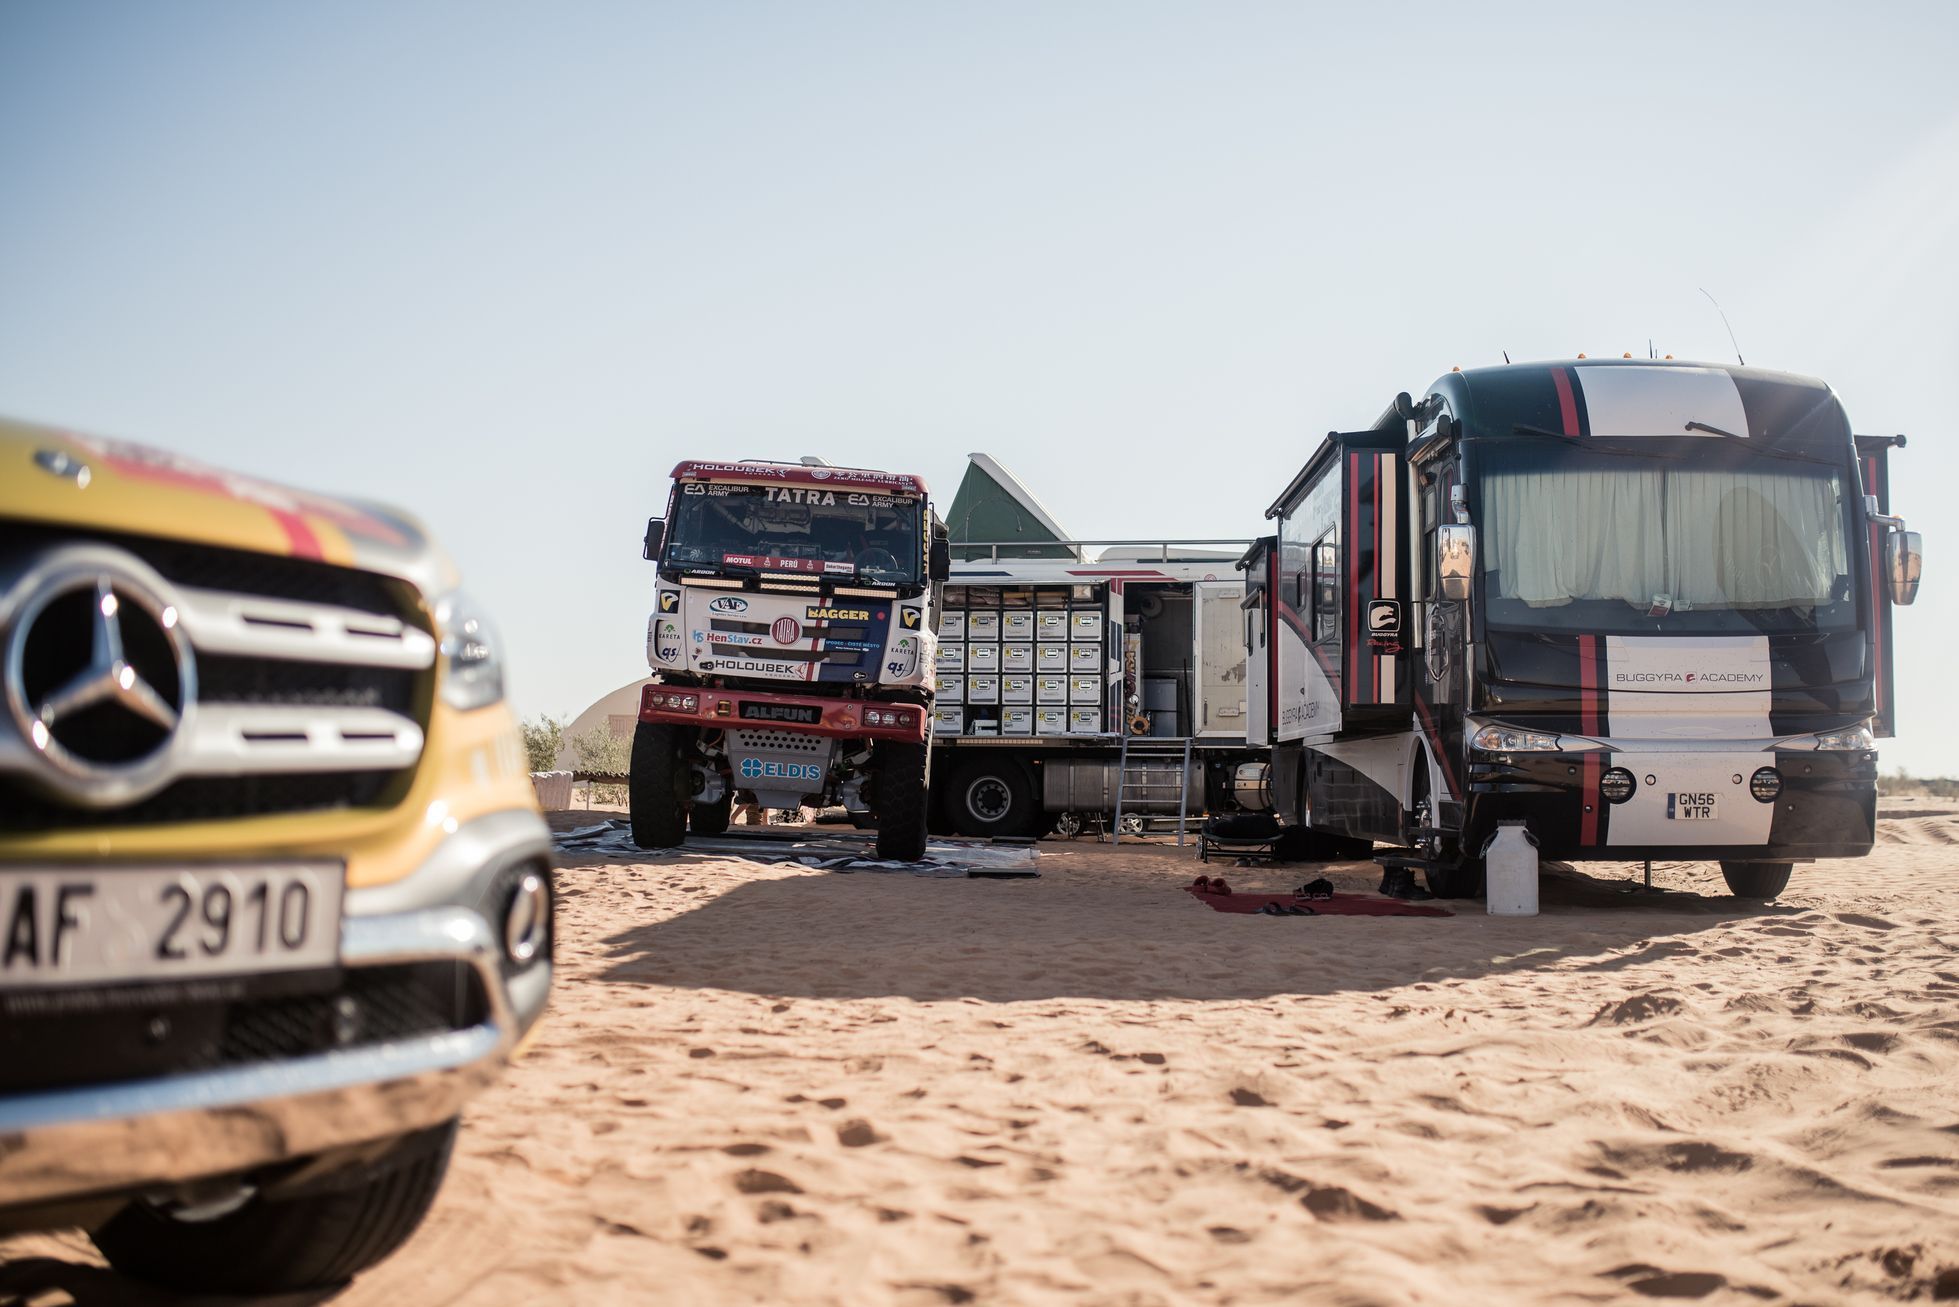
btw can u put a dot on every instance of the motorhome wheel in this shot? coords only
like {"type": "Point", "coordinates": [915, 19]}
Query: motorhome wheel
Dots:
{"type": "Point", "coordinates": [1756, 880]}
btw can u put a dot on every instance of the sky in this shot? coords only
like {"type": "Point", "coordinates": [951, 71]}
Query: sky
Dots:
{"type": "Point", "coordinates": [505, 264]}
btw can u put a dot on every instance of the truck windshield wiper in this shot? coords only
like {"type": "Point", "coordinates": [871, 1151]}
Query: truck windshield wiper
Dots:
{"type": "Point", "coordinates": [1713, 431]}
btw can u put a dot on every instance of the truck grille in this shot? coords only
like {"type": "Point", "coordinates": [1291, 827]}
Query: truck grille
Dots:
{"type": "Point", "coordinates": [313, 684]}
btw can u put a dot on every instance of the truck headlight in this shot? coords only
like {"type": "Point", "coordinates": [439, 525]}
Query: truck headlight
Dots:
{"type": "Point", "coordinates": [472, 655]}
{"type": "Point", "coordinates": [1496, 738]}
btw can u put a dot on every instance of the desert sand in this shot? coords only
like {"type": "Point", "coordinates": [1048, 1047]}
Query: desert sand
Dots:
{"type": "Point", "coordinates": [775, 1085]}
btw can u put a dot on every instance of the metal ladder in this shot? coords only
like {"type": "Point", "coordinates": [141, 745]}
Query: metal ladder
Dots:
{"type": "Point", "coordinates": [1138, 785]}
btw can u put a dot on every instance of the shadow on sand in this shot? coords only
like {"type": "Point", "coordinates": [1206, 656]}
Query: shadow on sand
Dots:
{"type": "Point", "coordinates": [1126, 934]}
{"type": "Point", "coordinates": [47, 1281]}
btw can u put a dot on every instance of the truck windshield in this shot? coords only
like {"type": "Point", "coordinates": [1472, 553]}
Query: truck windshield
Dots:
{"type": "Point", "coordinates": [868, 536]}
{"type": "Point", "coordinates": [1707, 537]}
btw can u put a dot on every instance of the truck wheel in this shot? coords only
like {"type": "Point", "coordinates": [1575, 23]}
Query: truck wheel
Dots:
{"type": "Point", "coordinates": [1756, 880]}
{"type": "Point", "coordinates": [657, 789]}
{"type": "Point", "coordinates": [992, 797]}
{"type": "Point", "coordinates": [314, 1240]}
{"type": "Point", "coordinates": [901, 801]}
{"type": "Point", "coordinates": [711, 818]}
{"type": "Point", "coordinates": [1451, 873]}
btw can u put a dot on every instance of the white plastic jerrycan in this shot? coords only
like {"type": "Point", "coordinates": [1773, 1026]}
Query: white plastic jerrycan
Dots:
{"type": "Point", "coordinates": [1510, 872]}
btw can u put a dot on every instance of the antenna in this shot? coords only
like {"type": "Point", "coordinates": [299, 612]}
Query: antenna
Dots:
{"type": "Point", "coordinates": [1506, 356]}
{"type": "Point", "coordinates": [1724, 322]}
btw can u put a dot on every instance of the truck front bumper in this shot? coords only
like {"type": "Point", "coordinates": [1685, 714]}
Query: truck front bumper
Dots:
{"type": "Point", "coordinates": [768, 710]}
{"type": "Point", "coordinates": [1826, 806]}
{"type": "Point", "coordinates": [75, 1141]}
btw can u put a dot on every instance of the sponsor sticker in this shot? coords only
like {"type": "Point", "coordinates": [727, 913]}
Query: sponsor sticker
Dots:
{"type": "Point", "coordinates": [755, 769]}
{"type": "Point", "coordinates": [669, 600]}
{"type": "Point", "coordinates": [1383, 618]}
{"type": "Point", "coordinates": [909, 618]}
{"type": "Point", "coordinates": [729, 604]}
{"type": "Point", "coordinates": [786, 630]}
{"type": "Point", "coordinates": [814, 613]}
{"type": "Point", "coordinates": [800, 713]}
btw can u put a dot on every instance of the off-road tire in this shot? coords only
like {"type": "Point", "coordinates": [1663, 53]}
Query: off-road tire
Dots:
{"type": "Point", "coordinates": [990, 797]}
{"type": "Point", "coordinates": [711, 818]}
{"type": "Point", "coordinates": [338, 1228]}
{"type": "Point", "coordinates": [658, 786]}
{"type": "Point", "coordinates": [1756, 880]}
{"type": "Point", "coordinates": [902, 800]}
{"type": "Point", "coordinates": [1451, 872]}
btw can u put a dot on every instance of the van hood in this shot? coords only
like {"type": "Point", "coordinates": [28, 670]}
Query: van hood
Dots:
{"type": "Point", "coordinates": [62, 478]}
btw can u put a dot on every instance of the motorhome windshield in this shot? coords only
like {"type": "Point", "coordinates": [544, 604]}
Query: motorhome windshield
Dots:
{"type": "Point", "coordinates": [1707, 537]}
{"type": "Point", "coordinates": [809, 529]}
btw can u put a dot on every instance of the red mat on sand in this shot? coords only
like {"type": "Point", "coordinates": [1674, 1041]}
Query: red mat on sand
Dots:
{"type": "Point", "coordinates": [1340, 905]}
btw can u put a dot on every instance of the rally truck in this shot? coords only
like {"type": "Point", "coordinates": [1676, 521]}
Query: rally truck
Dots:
{"type": "Point", "coordinates": [792, 643]}
{"type": "Point", "coordinates": [275, 895]}
{"type": "Point", "coordinates": [1642, 607]}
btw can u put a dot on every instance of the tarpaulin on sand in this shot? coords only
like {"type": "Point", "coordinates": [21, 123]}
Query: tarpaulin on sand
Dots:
{"type": "Point", "coordinates": [841, 850]}
{"type": "Point", "coordinates": [1340, 905]}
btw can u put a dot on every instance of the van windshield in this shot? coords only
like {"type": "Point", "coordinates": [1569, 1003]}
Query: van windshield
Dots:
{"type": "Point", "coordinates": [1717, 538]}
{"type": "Point", "coordinates": [806, 529]}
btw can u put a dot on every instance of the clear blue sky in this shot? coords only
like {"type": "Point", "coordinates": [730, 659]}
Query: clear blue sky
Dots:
{"type": "Point", "coordinates": [504, 264]}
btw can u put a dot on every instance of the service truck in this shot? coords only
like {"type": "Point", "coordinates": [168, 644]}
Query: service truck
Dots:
{"type": "Point", "coordinates": [1102, 688]}
{"type": "Point", "coordinates": [1641, 606]}
{"type": "Point", "coordinates": [792, 642]}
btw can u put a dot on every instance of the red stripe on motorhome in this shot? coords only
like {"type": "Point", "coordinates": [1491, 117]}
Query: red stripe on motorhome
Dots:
{"type": "Point", "coordinates": [1567, 402]}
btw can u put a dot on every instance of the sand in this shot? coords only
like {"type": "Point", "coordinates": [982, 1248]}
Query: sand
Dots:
{"type": "Point", "coordinates": [765, 1084]}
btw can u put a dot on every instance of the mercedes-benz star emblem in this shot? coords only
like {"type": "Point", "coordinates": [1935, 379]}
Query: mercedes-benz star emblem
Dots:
{"type": "Point", "coordinates": [98, 678]}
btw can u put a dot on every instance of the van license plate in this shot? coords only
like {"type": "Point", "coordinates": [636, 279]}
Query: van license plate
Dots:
{"type": "Point", "coordinates": [1690, 807]}
{"type": "Point", "coordinates": [106, 925]}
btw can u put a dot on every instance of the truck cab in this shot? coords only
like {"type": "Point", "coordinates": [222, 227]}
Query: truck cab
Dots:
{"type": "Point", "coordinates": [792, 641]}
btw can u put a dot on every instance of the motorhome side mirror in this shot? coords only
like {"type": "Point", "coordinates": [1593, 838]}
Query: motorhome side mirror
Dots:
{"type": "Point", "coordinates": [656, 535]}
{"type": "Point", "coordinates": [938, 561]}
{"type": "Point", "coordinates": [1902, 564]}
{"type": "Point", "coordinates": [1455, 547]}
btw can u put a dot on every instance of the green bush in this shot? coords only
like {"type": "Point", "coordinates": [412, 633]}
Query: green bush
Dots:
{"type": "Point", "coordinates": [544, 740]}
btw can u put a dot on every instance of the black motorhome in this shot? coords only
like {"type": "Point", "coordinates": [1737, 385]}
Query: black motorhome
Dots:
{"type": "Point", "coordinates": [1642, 606]}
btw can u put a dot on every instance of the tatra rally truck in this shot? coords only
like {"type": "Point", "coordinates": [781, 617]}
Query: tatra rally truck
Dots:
{"type": "Point", "coordinates": [792, 643]}
{"type": "Point", "coordinates": [1642, 607]}
{"type": "Point", "coordinates": [275, 894]}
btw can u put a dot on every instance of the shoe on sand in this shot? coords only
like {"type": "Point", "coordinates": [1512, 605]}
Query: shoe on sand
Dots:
{"type": "Point", "coordinates": [1399, 883]}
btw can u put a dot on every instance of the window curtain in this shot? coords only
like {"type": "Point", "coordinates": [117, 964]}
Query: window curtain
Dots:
{"type": "Point", "coordinates": [1558, 536]}
{"type": "Point", "coordinates": [1753, 539]}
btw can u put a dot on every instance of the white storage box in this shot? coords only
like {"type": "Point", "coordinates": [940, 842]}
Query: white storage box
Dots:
{"type": "Point", "coordinates": [1085, 689]}
{"type": "Point", "coordinates": [1017, 689]}
{"type": "Point", "coordinates": [952, 687]}
{"type": "Point", "coordinates": [1017, 625]}
{"type": "Point", "coordinates": [1084, 657]}
{"type": "Point", "coordinates": [952, 624]}
{"type": "Point", "coordinates": [982, 689]}
{"type": "Point", "coordinates": [1050, 689]}
{"type": "Point", "coordinates": [1016, 657]}
{"type": "Point", "coordinates": [982, 626]}
{"type": "Point", "coordinates": [1050, 657]}
{"type": "Point", "coordinates": [1016, 721]}
{"type": "Point", "coordinates": [1051, 624]}
{"type": "Point", "coordinates": [1050, 721]}
{"type": "Point", "coordinates": [1085, 721]}
{"type": "Point", "coordinates": [948, 719]}
{"type": "Point", "coordinates": [952, 657]}
{"type": "Point", "coordinates": [982, 657]}
{"type": "Point", "coordinates": [1085, 624]}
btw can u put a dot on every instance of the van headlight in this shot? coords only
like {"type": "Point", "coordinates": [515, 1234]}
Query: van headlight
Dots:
{"type": "Point", "coordinates": [471, 652]}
